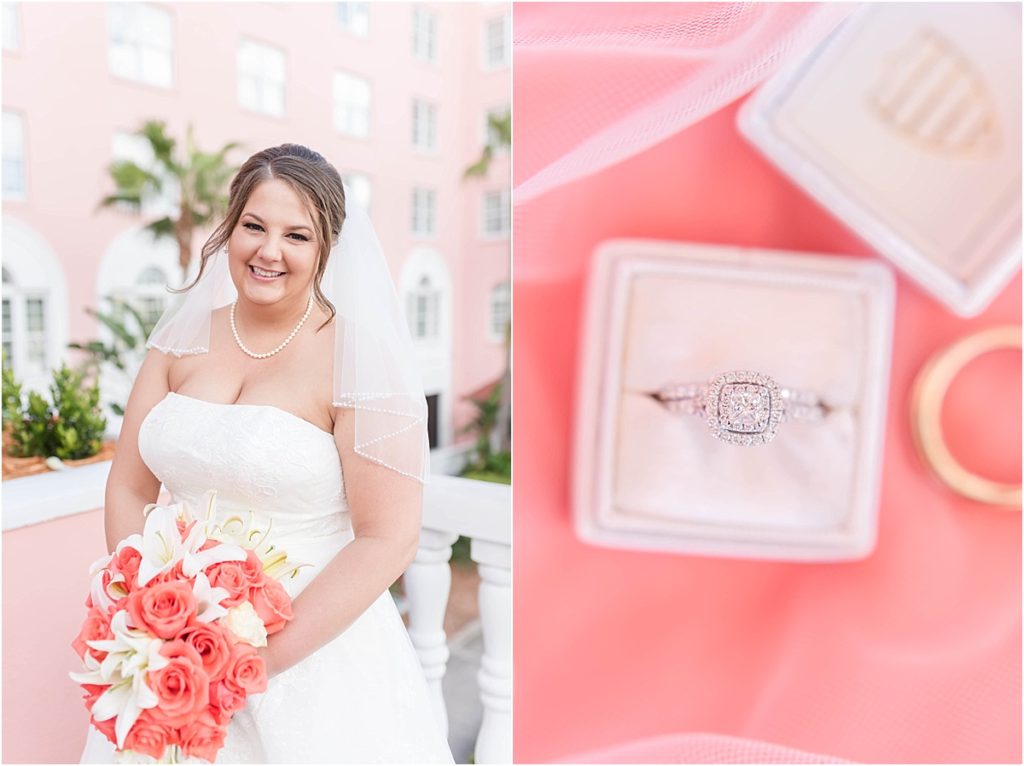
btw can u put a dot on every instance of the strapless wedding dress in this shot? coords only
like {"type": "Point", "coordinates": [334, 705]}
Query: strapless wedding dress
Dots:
{"type": "Point", "coordinates": [361, 698]}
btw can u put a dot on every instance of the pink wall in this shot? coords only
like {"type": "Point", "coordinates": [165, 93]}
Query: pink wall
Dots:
{"type": "Point", "coordinates": [59, 80]}
{"type": "Point", "coordinates": [45, 582]}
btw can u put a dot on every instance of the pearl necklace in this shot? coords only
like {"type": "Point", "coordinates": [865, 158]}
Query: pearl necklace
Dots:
{"type": "Point", "coordinates": [285, 342]}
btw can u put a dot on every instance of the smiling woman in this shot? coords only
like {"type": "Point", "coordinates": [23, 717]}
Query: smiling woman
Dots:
{"type": "Point", "coordinates": [344, 500]}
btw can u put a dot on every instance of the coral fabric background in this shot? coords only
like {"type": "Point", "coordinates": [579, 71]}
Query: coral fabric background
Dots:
{"type": "Point", "coordinates": [912, 655]}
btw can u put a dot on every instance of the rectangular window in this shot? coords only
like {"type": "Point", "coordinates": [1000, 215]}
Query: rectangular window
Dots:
{"type": "Point", "coordinates": [8, 334]}
{"type": "Point", "coordinates": [10, 27]}
{"type": "Point", "coordinates": [501, 311]}
{"type": "Point", "coordinates": [35, 335]}
{"type": "Point", "coordinates": [261, 78]}
{"type": "Point", "coordinates": [354, 18]}
{"type": "Point", "coordinates": [424, 34]}
{"type": "Point", "coordinates": [351, 104]}
{"type": "Point", "coordinates": [496, 42]}
{"type": "Point", "coordinates": [151, 308]}
{"type": "Point", "coordinates": [14, 156]}
{"type": "Point", "coordinates": [424, 125]}
{"type": "Point", "coordinates": [141, 43]}
{"type": "Point", "coordinates": [359, 190]}
{"type": "Point", "coordinates": [497, 214]}
{"type": "Point", "coordinates": [424, 222]}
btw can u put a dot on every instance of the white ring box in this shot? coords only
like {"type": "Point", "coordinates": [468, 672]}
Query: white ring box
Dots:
{"type": "Point", "coordinates": [649, 479]}
{"type": "Point", "coordinates": [906, 125]}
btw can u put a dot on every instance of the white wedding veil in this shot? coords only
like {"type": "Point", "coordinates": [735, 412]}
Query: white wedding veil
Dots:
{"type": "Point", "coordinates": [374, 364]}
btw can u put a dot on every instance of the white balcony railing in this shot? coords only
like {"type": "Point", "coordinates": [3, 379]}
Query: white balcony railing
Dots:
{"type": "Point", "coordinates": [452, 506]}
{"type": "Point", "coordinates": [482, 512]}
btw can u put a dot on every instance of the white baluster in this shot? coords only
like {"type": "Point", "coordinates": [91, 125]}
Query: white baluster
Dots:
{"type": "Point", "coordinates": [428, 581]}
{"type": "Point", "coordinates": [494, 744]}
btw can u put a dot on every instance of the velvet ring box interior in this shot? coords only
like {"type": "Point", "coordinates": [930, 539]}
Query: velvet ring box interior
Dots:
{"type": "Point", "coordinates": [660, 312]}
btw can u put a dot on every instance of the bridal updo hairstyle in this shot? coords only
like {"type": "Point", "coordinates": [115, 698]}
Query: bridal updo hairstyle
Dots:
{"type": "Point", "coordinates": [313, 178]}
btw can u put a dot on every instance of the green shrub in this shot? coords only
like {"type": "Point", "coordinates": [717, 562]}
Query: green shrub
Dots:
{"type": "Point", "coordinates": [11, 394]}
{"type": "Point", "coordinates": [70, 427]}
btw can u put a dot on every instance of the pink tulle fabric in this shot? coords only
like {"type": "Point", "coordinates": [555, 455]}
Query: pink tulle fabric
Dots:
{"type": "Point", "coordinates": [911, 655]}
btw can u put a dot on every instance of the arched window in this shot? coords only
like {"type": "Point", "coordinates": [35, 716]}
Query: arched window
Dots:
{"type": "Point", "coordinates": [25, 339]}
{"type": "Point", "coordinates": [423, 310]}
{"type": "Point", "coordinates": [136, 270]}
{"type": "Point", "coordinates": [150, 293]}
{"type": "Point", "coordinates": [8, 336]}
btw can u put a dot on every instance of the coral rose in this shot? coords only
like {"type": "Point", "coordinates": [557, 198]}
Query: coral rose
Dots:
{"type": "Point", "coordinates": [203, 737]}
{"type": "Point", "coordinates": [92, 693]}
{"type": "Point", "coordinates": [232, 577]}
{"type": "Point", "coordinates": [149, 737]}
{"type": "Point", "coordinates": [106, 728]}
{"type": "Point", "coordinates": [225, 701]}
{"type": "Point", "coordinates": [182, 687]}
{"type": "Point", "coordinates": [273, 605]}
{"type": "Point", "coordinates": [127, 561]}
{"type": "Point", "coordinates": [247, 673]}
{"type": "Point", "coordinates": [95, 628]}
{"type": "Point", "coordinates": [213, 645]}
{"type": "Point", "coordinates": [162, 608]}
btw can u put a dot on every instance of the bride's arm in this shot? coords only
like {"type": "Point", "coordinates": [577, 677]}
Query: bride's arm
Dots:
{"type": "Point", "coordinates": [386, 509]}
{"type": "Point", "coordinates": [131, 485]}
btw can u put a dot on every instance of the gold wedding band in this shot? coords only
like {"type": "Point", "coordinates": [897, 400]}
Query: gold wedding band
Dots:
{"type": "Point", "coordinates": [926, 401]}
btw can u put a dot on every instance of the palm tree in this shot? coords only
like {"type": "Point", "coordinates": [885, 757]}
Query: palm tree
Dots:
{"type": "Point", "coordinates": [499, 136]}
{"type": "Point", "coordinates": [199, 178]}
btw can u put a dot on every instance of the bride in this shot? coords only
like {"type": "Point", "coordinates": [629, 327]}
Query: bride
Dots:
{"type": "Point", "coordinates": [283, 379]}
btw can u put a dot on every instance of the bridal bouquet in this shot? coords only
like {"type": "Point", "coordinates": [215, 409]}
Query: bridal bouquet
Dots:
{"type": "Point", "coordinates": [175, 618]}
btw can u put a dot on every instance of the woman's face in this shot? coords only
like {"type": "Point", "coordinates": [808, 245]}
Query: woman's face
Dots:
{"type": "Point", "coordinates": [273, 248]}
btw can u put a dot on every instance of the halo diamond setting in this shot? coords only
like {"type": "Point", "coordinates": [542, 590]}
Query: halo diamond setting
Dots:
{"type": "Point", "coordinates": [743, 407]}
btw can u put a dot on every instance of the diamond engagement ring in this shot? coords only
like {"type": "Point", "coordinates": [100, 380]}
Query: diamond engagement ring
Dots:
{"type": "Point", "coordinates": [742, 407]}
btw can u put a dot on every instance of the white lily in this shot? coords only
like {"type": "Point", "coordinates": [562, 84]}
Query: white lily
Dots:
{"type": "Point", "coordinates": [131, 655]}
{"type": "Point", "coordinates": [208, 599]}
{"type": "Point", "coordinates": [129, 651]}
{"type": "Point", "coordinates": [250, 535]}
{"type": "Point", "coordinates": [161, 546]}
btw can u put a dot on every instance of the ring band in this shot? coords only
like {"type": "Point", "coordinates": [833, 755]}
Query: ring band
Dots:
{"type": "Point", "coordinates": [742, 407]}
{"type": "Point", "coordinates": [926, 398]}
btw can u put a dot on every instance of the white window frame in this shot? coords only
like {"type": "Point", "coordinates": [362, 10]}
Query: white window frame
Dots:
{"type": "Point", "coordinates": [265, 68]}
{"type": "Point", "coordinates": [503, 199]}
{"type": "Point", "coordinates": [130, 54]}
{"type": "Point", "coordinates": [489, 62]}
{"type": "Point", "coordinates": [354, 18]}
{"type": "Point", "coordinates": [424, 125]}
{"type": "Point", "coordinates": [424, 34]}
{"type": "Point", "coordinates": [423, 310]}
{"type": "Point", "coordinates": [11, 27]}
{"type": "Point", "coordinates": [500, 314]}
{"type": "Point", "coordinates": [14, 155]}
{"type": "Point", "coordinates": [35, 273]}
{"type": "Point", "coordinates": [18, 299]}
{"type": "Point", "coordinates": [360, 186]}
{"type": "Point", "coordinates": [353, 117]}
{"type": "Point", "coordinates": [423, 219]}
{"type": "Point", "coordinates": [145, 291]}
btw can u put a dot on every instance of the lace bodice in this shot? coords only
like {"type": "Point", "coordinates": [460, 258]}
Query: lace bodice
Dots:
{"type": "Point", "coordinates": [258, 457]}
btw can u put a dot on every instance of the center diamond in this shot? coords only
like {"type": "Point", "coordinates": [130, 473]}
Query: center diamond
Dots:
{"type": "Point", "coordinates": [744, 408]}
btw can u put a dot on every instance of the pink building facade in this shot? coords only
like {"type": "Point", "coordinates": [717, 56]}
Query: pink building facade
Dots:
{"type": "Point", "coordinates": [396, 95]}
